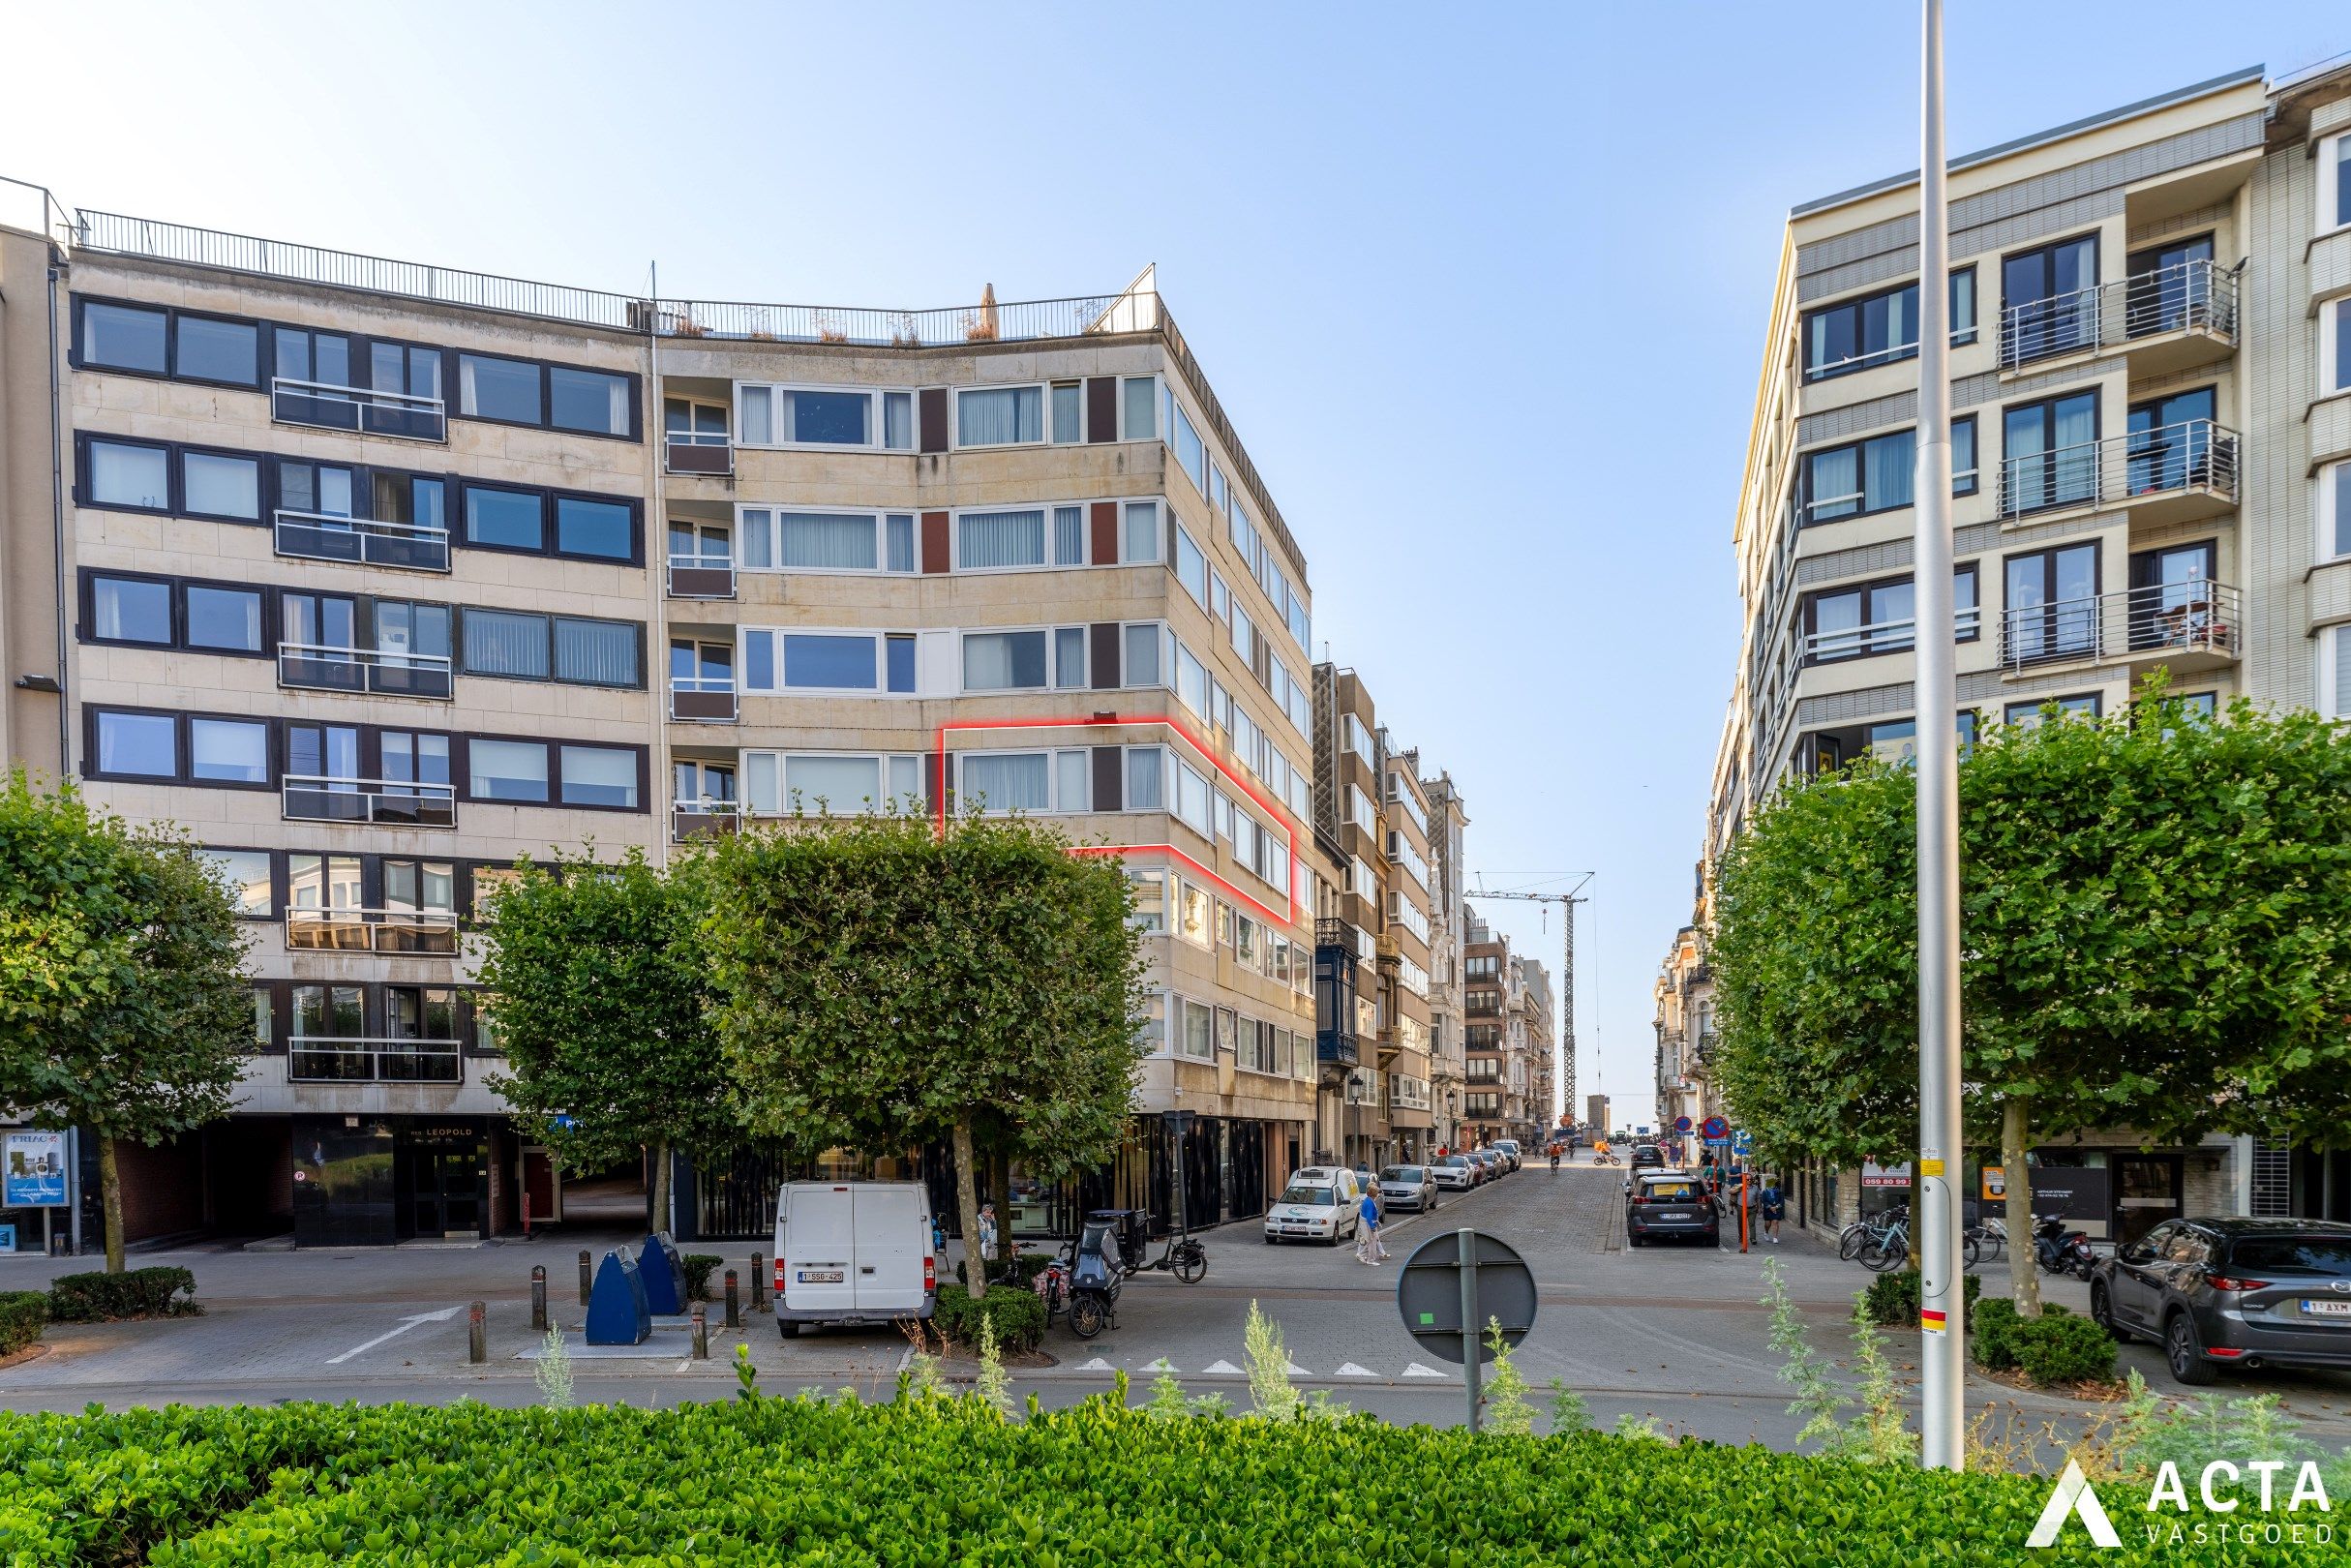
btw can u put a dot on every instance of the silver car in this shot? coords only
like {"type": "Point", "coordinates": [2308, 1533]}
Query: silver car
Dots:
{"type": "Point", "coordinates": [1408, 1186]}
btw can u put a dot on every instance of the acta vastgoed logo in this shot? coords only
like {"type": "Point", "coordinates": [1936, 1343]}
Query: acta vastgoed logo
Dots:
{"type": "Point", "coordinates": [2215, 1491]}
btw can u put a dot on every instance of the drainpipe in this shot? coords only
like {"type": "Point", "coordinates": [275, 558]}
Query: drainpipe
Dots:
{"type": "Point", "coordinates": [65, 726]}
{"type": "Point", "coordinates": [656, 559]}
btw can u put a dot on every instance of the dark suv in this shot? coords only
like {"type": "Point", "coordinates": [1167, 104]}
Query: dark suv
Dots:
{"type": "Point", "coordinates": [2232, 1294]}
{"type": "Point", "coordinates": [1660, 1203]}
{"type": "Point", "coordinates": [1646, 1157]}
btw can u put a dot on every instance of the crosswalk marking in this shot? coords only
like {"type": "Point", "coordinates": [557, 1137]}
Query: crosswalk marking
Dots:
{"type": "Point", "coordinates": [1296, 1370]}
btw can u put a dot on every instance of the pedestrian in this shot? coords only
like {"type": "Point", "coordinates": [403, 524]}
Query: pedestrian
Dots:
{"type": "Point", "coordinates": [1775, 1209]}
{"type": "Point", "coordinates": [987, 1233]}
{"type": "Point", "coordinates": [1368, 1250]}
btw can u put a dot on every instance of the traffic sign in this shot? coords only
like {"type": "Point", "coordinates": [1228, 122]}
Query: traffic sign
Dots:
{"type": "Point", "coordinates": [1741, 1143]}
{"type": "Point", "coordinates": [1681, 1123]}
{"type": "Point", "coordinates": [1452, 1287]}
{"type": "Point", "coordinates": [1716, 1128]}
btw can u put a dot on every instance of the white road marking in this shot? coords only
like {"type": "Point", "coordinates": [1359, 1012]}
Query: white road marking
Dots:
{"type": "Point", "coordinates": [1416, 1370]}
{"type": "Point", "coordinates": [1098, 1363]}
{"type": "Point", "coordinates": [1220, 1369]}
{"type": "Point", "coordinates": [1351, 1370]}
{"type": "Point", "coordinates": [1296, 1370]}
{"type": "Point", "coordinates": [685, 1366]}
{"type": "Point", "coordinates": [406, 1324]}
{"type": "Point", "coordinates": [1162, 1364]}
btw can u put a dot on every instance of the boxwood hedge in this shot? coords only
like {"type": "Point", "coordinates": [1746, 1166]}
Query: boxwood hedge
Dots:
{"type": "Point", "coordinates": [930, 1483]}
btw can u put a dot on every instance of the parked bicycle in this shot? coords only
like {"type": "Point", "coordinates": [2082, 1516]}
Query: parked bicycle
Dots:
{"type": "Point", "coordinates": [1886, 1246]}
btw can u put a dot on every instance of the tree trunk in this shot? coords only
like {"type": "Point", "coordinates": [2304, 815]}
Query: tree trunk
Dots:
{"type": "Point", "coordinates": [661, 1185]}
{"type": "Point", "coordinates": [967, 1211]}
{"type": "Point", "coordinates": [2024, 1275]}
{"type": "Point", "coordinates": [111, 1185]}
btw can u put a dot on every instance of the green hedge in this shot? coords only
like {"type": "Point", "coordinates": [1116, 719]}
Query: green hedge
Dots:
{"type": "Point", "coordinates": [2054, 1347]}
{"type": "Point", "coordinates": [1017, 1316]}
{"type": "Point", "coordinates": [93, 1298]}
{"type": "Point", "coordinates": [933, 1484]}
{"type": "Point", "coordinates": [1893, 1298]}
{"type": "Point", "coordinates": [22, 1314]}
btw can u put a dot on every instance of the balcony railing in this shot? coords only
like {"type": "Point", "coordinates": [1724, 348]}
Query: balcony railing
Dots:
{"type": "Point", "coordinates": [2164, 620]}
{"type": "Point", "coordinates": [372, 930]}
{"type": "Point", "coordinates": [701, 577]}
{"type": "Point", "coordinates": [320, 667]}
{"type": "Point", "coordinates": [702, 452]}
{"type": "Point", "coordinates": [375, 802]}
{"type": "Point", "coordinates": [372, 1058]}
{"type": "Point", "coordinates": [1877, 637]}
{"type": "Point", "coordinates": [2191, 296]}
{"type": "Point", "coordinates": [703, 698]}
{"type": "Point", "coordinates": [704, 819]}
{"type": "Point", "coordinates": [329, 406]}
{"type": "Point", "coordinates": [2195, 457]}
{"type": "Point", "coordinates": [416, 547]}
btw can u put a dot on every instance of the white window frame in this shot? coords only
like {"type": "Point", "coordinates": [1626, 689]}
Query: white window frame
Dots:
{"type": "Point", "coordinates": [772, 512]}
{"type": "Point", "coordinates": [1054, 804]}
{"type": "Point", "coordinates": [2331, 703]}
{"type": "Point", "coordinates": [2333, 491]}
{"type": "Point", "coordinates": [2334, 379]}
{"type": "Point", "coordinates": [1051, 647]}
{"type": "Point", "coordinates": [2333, 153]}
{"type": "Point", "coordinates": [1045, 416]}
{"type": "Point", "coordinates": [954, 539]}
{"type": "Point", "coordinates": [881, 667]}
{"type": "Point", "coordinates": [1152, 398]}
{"type": "Point", "coordinates": [876, 421]}
{"type": "Point", "coordinates": [777, 758]}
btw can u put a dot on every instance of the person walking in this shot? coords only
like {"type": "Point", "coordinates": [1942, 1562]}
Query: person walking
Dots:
{"type": "Point", "coordinates": [1775, 1209]}
{"type": "Point", "coordinates": [1368, 1250]}
{"type": "Point", "coordinates": [987, 1233]}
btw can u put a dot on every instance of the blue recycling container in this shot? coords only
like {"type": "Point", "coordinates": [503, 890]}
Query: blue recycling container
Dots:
{"type": "Point", "coordinates": [663, 1274]}
{"type": "Point", "coordinates": [616, 1309]}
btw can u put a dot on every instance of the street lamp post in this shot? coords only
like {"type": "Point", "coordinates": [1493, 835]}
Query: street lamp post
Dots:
{"type": "Point", "coordinates": [1935, 702]}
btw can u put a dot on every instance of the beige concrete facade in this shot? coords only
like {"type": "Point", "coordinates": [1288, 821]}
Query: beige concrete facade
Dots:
{"type": "Point", "coordinates": [1448, 827]}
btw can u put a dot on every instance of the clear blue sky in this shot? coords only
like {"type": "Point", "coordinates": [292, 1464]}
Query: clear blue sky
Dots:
{"type": "Point", "coordinates": [1483, 287]}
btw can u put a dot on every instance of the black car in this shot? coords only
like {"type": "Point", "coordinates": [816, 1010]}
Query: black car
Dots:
{"type": "Point", "coordinates": [1647, 1157]}
{"type": "Point", "coordinates": [1663, 1203]}
{"type": "Point", "coordinates": [2231, 1293]}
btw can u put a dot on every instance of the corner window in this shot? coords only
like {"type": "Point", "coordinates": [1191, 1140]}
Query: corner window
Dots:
{"type": "Point", "coordinates": [123, 337]}
{"type": "Point", "coordinates": [1191, 567]}
{"type": "Point", "coordinates": [1873, 475]}
{"type": "Point", "coordinates": [999, 415]}
{"type": "Point", "coordinates": [1879, 329]}
{"type": "Point", "coordinates": [506, 389]}
{"type": "Point", "coordinates": [1141, 542]}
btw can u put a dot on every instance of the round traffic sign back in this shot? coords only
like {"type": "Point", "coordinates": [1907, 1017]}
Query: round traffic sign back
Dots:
{"type": "Point", "coordinates": [1428, 1293]}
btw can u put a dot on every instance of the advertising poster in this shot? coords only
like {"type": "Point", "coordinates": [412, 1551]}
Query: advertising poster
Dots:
{"type": "Point", "coordinates": [32, 1171]}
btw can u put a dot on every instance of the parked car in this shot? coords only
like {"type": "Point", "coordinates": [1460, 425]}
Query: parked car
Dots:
{"type": "Point", "coordinates": [1408, 1186]}
{"type": "Point", "coordinates": [853, 1253]}
{"type": "Point", "coordinates": [1491, 1163]}
{"type": "Point", "coordinates": [1669, 1204]}
{"type": "Point", "coordinates": [1646, 1157]}
{"type": "Point", "coordinates": [1319, 1205]}
{"type": "Point", "coordinates": [1508, 1149]}
{"type": "Point", "coordinates": [1456, 1173]}
{"type": "Point", "coordinates": [2231, 1293]}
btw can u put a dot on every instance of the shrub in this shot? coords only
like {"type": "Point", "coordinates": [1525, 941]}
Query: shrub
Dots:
{"type": "Point", "coordinates": [1019, 1271]}
{"type": "Point", "coordinates": [22, 1314]}
{"type": "Point", "coordinates": [1015, 1317]}
{"type": "Point", "coordinates": [2059, 1347]}
{"type": "Point", "coordinates": [97, 1298]}
{"type": "Point", "coordinates": [1994, 1326]}
{"type": "Point", "coordinates": [698, 1267]}
{"type": "Point", "coordinates": [1893, 1299]}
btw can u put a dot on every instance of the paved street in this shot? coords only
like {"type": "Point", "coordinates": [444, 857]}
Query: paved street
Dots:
{"type": "Point", "coordinates": [1675, 1334]}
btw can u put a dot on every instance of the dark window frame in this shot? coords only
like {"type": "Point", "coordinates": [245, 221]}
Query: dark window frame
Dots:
{"type": "Point", "coordinates": [1856, 445]}
{"type": "Point", "coordinates": [1807, 625]}
{"type": "Point", "coordinates": [172, 313]}
{"type": "Point", "coordinates": [460, 532]}
{"type": "Point", "coordinates": [183, 749]}
{"type": "Point", "coordinates": [460, 772]}
{"type": "Point", "coordinates": [546, 620]}
{"type": "Point", "coordinates": [1960, 336]}
{"type": "Point", "coordinates": [452, 382]}
{"type": "Point", "coordinates": [83, 474]}
{"type": "Point", "coordinates": [2046, 404]}
{"type": "Point", "coordinates": [1967, 481]}
{"type": "Point", "coordinates": [176, 635]}
{"type": "Point", "coordinates": [181, 451]}
{"type": "Point", "coordinates": [277, 877]}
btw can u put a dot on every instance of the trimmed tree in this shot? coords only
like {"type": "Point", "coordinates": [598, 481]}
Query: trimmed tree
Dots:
{"type": "Point", "coordinates": [2155, 927]}
{"type": "Point", "coordinates": [881, 986]}
{"type": "Point", "coordinates": [124, 1004]}
{"type": "Point", "coordinates": [599, 992]}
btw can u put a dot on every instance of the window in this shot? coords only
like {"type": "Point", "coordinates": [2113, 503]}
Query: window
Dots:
{"type": "Point", "coordinates": [2049, 298]}
{"type": "Point", "coordinates": [1195, 800]}
{"type": "Point", "coordinates": [2334, 183]}
{"type": "Point", "coordinates": [595, 653]}
{"type": "Point", "coordinates": [137, 746]}
{"type": "Point", "coordinates": [215, 484]}
{"type": "Point", "coordinates": [505, 643]}
{"type": "Point", "coordinates": [1873, 475]}
{"type": "Point", "coordinates": [121, 474]}
{"type": "Point", "coordinates": [826, 662]}
{"type": "Point", "coordinates": [1068, 413]}
{"type": "Point", "coordinates": [1069, 536]}
{"type": "Point", "coordinates": [1140, 396]}
{"type": "Point", "coordinates": [999, 415]}
{"type": "Point", "coordinates": [1191, 680]}
{"type": "Point", "coordinates": [1963, 456]}
{"type": "Point", "coordinates": [504, 518]}
{"type": "Point", "coordinates": [1879, 618]}
{"type": "Point", "coordinates": [123, 337]}
{"type": "Point", "coordinates": [224, 619]}
{"type": "Point", "coordinates": [1199, 1029]}
{"type": "Point", "coordinates": [130, 610]}
{"type": "Point", "coordinates": [987, 541]}
{"type": "Point", "coordinates": [1191, 567]}
{"type": "Point", "coordinates": [832, 783]}
{"type": "Point", "coordinates": [228, 751]}
{"type": "Point", "coordinates": [2029, 714]}
{"type": "Point", "coordinates": [247, 875]}
{"type": "Point", "coordinates": [2052, 609]}
{"type": "Point", "coordinates": [599, 776]}
{"type": "Point", "coordinates": [321, 358]}
{"type": "Point", "coordinates": [1007, 780]}
{"type": "Point", "coordinates": [2049, 454]}
{"type": "Point", "coordinates": [2334, 510]}
{"type": "Point", "coordinates": [605, 529]}
{"type": "Point", "coordinates": [2334, 672]}
{"type": "Point", "coordinates": [1146, 778]}
{"type": "Point", "coordinates": [206, 350]}
{"type": "Point", "coordinates": [1003, 661]}
{"type": "Point", "coordinates": [507, 770]}
{"type": "Point", "coordinates": [2334, 347]}
{"type": "Point", "coordinates": [824, 416]}
{"type": "Point", "coordinates": [795, 784]}
{"type": "Point", "coordinates": [1879, 329]}
{"type": "Point", "coordinates": [1070, 673]}
{"type": "Point", "coordinates": [1191, 452]}
{"type": "Point", "coordinates": [596, 402]}
{"type": "Point", "coordinates": [504, 389]}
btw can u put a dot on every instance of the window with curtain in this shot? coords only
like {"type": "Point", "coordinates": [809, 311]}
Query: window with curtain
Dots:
{"type": "Point", "coordinates": [212, 485]}
{"type": "Point", "coordinates": [1003, 661]}
{"type": "Point", "coordinates": [898, 421]}
{"type": "Point", "coordinates": [2335, 511]}
{"type": "Point", "coordinates": [999, 415]}
{"type": "Point", "coordinates": [1142, 661]}
{"type": "Point", "coordinates": [228, 618]}
{"type": "Point", "coordinates": [900, 527]}
{"type": "Point", "coordinates": [827, 542]}
{"type": "Point", "coordinates": [125, 475]}
{"type": "Point", "coordinates": [231, 751]}
{"type": "Point", "coordinates": [1008, 780]}
{"type": "Point", "coordinates": [596, 402]}
{"type": "Point", "coordinates": [984, 540]}
{"type": "Point", "coordinates": [488, 388]}
{"type": "Point", "coordinates": [1069, 671]}
{"type": "Point", "coordinates": [1141, 542]}
{"type": "Point", "coordinates": [1069, 536]}
{"type": "Point", "coordinates": [507, 770]}
{"type": "Point", "coordinates": [128, 610]}
{"type": "Point", "coordinates": [841, 785]}
{"type": "Point", "coordinates": [505, 643]}
{"type": "Point", "coordinates": [830, 662]}
{"type": "Point", "coordinates": [1140, 402]}
{"type": "Point", "coordinates": [1072, 781]}
{"type": "Point", "coordinates": [599, 776]}
{"type": "Point", "coordinates": [1068, 413]}
{"type": "Point", "coordinates": [754, 416]}
{"type": "Point", "coordinates": [1867, 476]}
{"type": "Point", "coordinates": [1146, 778]}
{"type": "Point", "coordinates": [595, 653]}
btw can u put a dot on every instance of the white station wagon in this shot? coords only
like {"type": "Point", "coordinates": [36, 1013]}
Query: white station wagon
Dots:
{"type": "Point", "coordinates": [1321, 1204]}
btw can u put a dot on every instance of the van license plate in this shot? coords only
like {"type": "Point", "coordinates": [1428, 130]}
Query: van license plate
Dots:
{"type": "Point", "coordinates": [2328, 1309]}
{"type": "Point", "coordinates": [821, 1275]}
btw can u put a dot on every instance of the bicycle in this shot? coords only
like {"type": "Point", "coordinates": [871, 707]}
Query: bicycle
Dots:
{"type": "Point", "coordinates": [1991, 1238]}
{"type": "Point", "coordinates": [1889, 1248]}
{"type": "Point", "coordinates": [1185, 1258]}
{"type": "Point", "coordinates": [1853, 1237]}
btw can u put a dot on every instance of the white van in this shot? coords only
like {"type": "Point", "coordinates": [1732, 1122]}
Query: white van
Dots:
{"type": "Point", "coordinates": [1320, 1203]}
{"type": "Point", "coordinates": [853, 1253]}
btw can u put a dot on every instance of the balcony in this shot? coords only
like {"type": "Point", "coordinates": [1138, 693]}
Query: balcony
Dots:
{"type": "Point", "coordinates": [2193, 625]}
{"type": "Point", "coordinates": [1839, 643]}
{"type": "Point", "coordinates": [2174, 318]}
{"type": "Point", "coordinates": [699, 452]}
{"type": "Point", "coordinates": [356, 1059]}
{"type": "Point", "coordinates": [431, 931]}
{"type": "Point", "coordinates": [358, 541]}
{"type": "Point", "coordinates": [370, 672]}
{"type": "Point", "coordinates": [381, 802]}
{"type": "Point", "coordinates": [703, 698]}
{"type": "Point", "coordinates": [2172, 473]}
{"type": "Point", "coordinates": [704, 819]}
{"type": "Point", "coordinates": [328, 406]}
{"type": "Point", "coordinates": [701, 577]}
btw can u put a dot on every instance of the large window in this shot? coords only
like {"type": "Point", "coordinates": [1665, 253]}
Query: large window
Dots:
{"type": "Point", "coordinates": [205, 348]}
{"type": "Point", "coordinates": [503, 389]}
{"type": "Point", "coordinates": [588, 528]}
{"type": "Point", "coordinates": [999, 415]}
{"type": "Point", "coordinates": [2049, 453]}
{"type": "Point", "coordinates": [2335, 511]}
{"type": "Point", "coordinates": [594, 402]}
{"type": "Point", "coordinates": [514, 770]}
{"type": "Point", "coordinates": [558, 397]}
{"type": "Point", "coordinates": [2334, 347]}
{"type": "Point", "coordinates": [599, 776]}
{"type": "Point", "coordinates": [525, 645]}
{"type": "Point", "coordinates": [799, 783]}
{"type": "Point", "coordinates": [221, 484]}
{"type": "Point", "coordinates": [1879, 329]}
{"type": "Point", "coordinates": [824, 416]}
{"type": "Point", "coordinates": [136, 745]}
{"type": "Point", "coordinates": [1008, 780]}
{"type": "Point", "coordinates": [228, 751]}
{"type": "Point", "coordinates": [986, 541]}
{"type": "Point", "coordinates": [1003, 661]}
{"type": "Point", "coordinates": [2334, 672]}
{"type": "Point", "coordinates": [810, 541]}
{"type": "Point", "coordinates": [2334, 183]}
{"type": "Point", "coordinates": [827, 661]}
{"type": "Point", "coordinates": [2052, 609]}
{"type": "Point", "coordinates": [124, 474]}
{"type": "Point", "coordinates": [1879, 618]}
{"type": "Point", "coordinates": [1873, 475]}
{"type": "Point", "coordinates": [600, 528]}
{"type": "Point", "coordinates": [505, 519]}
{"type": "Point", "coordinates": [127, 610]}
{"type": "Point", "coordinates": [2049, 299]}
{"type": "Point", "coordinates": [125, 337]}
{"type": "Point", "coordinates": [1191, 567]}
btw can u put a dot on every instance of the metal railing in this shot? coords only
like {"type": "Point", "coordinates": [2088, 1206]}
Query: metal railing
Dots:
{"type": "Point", "coordinates": [330, 405]}
{"type": "Point", "coordinates": [372, 1058]}
{"type": "Point", "coordinates": [2165, 618]}
{"type": "Point", "coordinates": [2188, 297]}
{"type": "Point", "coordinates": [322, 667]}
{"type": "Point", "coordinates": [1016, 321]}
{"type": "Point", "coordinates": [703, 698]}
{"type": "Point", "coordinates": [2194, 455]}
{"type": "Point", "coordinates": [701, 577]}
{"type": "Point", "coordinates": [373, 931]}
{"type": "Point", "coordinates": [359, 541]}
{"type": "Point", "coordinates": [1879, 637]}
{"type": "Point", "coordinates": [698, 453]}
{"type": "Point", "coordinates": [375, 802]}
{"type": "Point", "coordinates": [704, 817]}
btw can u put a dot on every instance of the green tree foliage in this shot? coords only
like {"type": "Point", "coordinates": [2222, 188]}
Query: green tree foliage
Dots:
{"type": "Point", "coordinates": [2155, 934]}
{"type": "Point", "coordinates": [123, 1005]}
{"type": "Point", "coordinates": [599, 993]}
{"type": "Point", "coordinates": [880, 985]}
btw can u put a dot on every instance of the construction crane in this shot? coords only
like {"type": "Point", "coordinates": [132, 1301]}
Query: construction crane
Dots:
{"type": "Point", "coordinates": [1567, 902]}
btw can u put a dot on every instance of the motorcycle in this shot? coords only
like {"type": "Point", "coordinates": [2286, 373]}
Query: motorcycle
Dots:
{"type": "Point", "coordinates": [1096, 1272]}
{"type": "Point", "coordinates": [2059, 1251]}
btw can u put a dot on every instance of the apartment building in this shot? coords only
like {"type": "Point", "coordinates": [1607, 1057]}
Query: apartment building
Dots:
{"type": "Point", "coordinates": [1685, 1034]}
{"type": "Point", "coordinates": [377, 577]}
{"type": "Point", "coordinates": [1507, 1013]}
{"type": "Point", "coordinates": [1407, 1006]}
{"type": "Point", "coordinates": [1533, 1013]}
{"type": "Point", "coordinates": [1350, 824]}
{"type": "Point", "coordinates": [2151, 375]}
{"type": "Point", "coordinates": [1448, 825]}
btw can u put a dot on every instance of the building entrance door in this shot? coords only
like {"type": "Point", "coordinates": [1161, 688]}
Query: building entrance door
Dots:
{"type": "Point", "coordinates": [2147, 1192]}
{"type": "Point", "coordinates": [443, 1180]}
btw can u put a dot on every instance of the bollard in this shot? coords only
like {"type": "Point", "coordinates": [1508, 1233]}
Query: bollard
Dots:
{"type": "Point", "coordinates": [701, 1333]}
{"type": "Point", "coordinates": [586, 1279]}
{"type": "Point", "coordinates": [539, 1298]}
{"type": "Point", "coordinates": [477, 1336]}
{"type": "Point", "coordinates": [759, 1282]}
{"type": "Point", "coordinates": [733, 1302]}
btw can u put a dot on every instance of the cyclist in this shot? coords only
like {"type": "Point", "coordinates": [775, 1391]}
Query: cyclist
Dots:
{"type": "Point", "coordinates": [1554, 1154]}
{"type": "Point", "coordinates": [1599, 1149]}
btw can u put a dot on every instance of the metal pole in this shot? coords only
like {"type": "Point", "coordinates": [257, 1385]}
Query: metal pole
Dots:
{"type": "Point", "coordinates": [1466, 1244]}
{"type": "Point", "coordinates": [1935, 708]}
{"type": "Point", "coordinates": [539, 1298]}
{"type": "Point", "coordinates": [477, 1339]}
{"type": "Point", "coordinates": [587, 1278]}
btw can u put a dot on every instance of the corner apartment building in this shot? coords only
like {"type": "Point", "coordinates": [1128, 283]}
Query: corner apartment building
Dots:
{"type": "Point", "coordinates": [377, 577]}
{"type": "Point", "coordinates": [2150, 374]}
